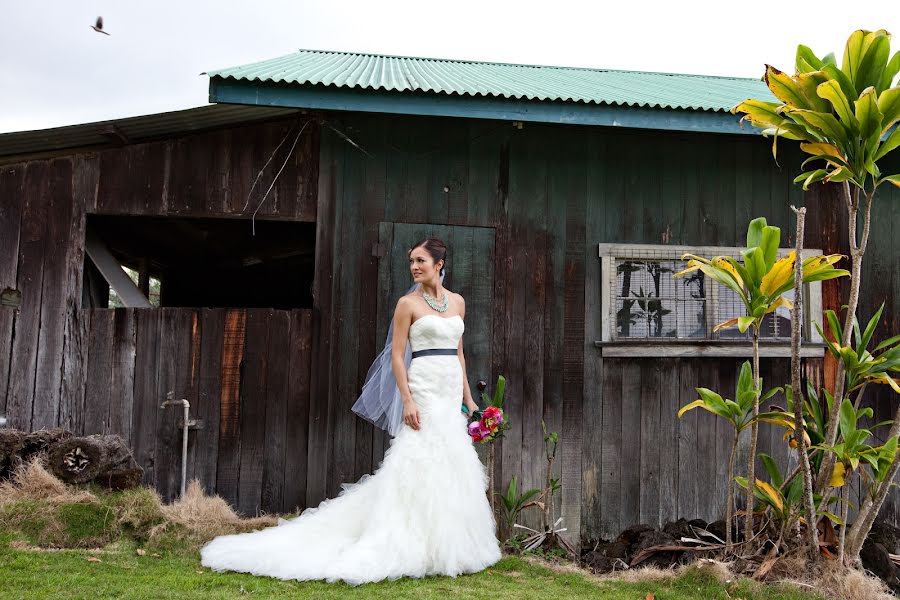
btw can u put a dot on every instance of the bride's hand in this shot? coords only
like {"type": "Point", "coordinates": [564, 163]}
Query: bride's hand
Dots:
{"type": "Point", "coordinates": [411, 414]}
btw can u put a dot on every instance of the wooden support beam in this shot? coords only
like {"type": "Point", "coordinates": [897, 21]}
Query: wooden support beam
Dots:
{"type": "Point", "coordinates": [112, 271]}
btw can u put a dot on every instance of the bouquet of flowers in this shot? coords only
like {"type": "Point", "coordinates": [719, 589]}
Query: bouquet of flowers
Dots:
{"type": "Point", "coordinates": [488, 424]}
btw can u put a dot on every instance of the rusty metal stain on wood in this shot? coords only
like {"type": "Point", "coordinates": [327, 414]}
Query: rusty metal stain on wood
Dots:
{"type": "Point", "coordinates": [232, 356]}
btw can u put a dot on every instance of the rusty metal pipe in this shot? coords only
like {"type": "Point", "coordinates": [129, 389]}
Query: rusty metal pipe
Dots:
{"type": "Point", "coordinates": [170, 400]}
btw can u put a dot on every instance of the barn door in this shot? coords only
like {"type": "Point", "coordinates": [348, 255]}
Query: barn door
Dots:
{"type": "Point", "coordinates": [469, 271]}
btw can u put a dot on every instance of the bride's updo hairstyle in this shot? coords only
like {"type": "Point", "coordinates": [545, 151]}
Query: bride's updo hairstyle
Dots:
{"type": "Point", "coordinates": [435, 248]}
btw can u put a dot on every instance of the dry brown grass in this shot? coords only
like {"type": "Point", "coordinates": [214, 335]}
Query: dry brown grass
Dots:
{"type": "Point", "coordinates": [207, 516]}
{"type": "Point", "coordinates": [32, 481]}
{"type": "Point", "coordinates": [831, 580]}
{"type": "Point", "coordinates": [34, 496]}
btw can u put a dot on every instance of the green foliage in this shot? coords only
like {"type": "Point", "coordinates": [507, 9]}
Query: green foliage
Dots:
{"type": "Point", "coordinates": [760, 279]}
{"type": "Point", "coordinates": [739, 413]}
{"type": "Point", "coordinates": [842, 115]}
{"type": "Point", "coordinates": [862, 366]}
{"type": "Point", "coordinates": [512, 503]}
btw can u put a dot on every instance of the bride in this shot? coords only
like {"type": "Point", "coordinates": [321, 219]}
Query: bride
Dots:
{"type": "Point", "coordinates": [424, 510]}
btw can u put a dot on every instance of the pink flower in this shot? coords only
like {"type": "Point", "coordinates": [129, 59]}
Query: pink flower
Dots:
{"type": "Point", "coordinates": [475, 431]}
{"type": "Point", "coordinates": [492, 412]}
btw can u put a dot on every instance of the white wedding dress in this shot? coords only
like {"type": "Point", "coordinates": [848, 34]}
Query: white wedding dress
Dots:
{"type": "Point", "coordinates": [423, 511]}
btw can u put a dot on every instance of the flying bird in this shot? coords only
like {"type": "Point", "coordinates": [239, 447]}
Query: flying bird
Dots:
{"type": "Point", "coordinates": [98, 26]}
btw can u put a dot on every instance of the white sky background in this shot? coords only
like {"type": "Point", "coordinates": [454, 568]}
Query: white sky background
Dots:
{"type": "Point", "coordinates": [55, 70]}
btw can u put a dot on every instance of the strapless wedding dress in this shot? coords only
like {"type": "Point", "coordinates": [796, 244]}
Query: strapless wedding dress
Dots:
{"type": "Point", "coordinates": [422, 512]}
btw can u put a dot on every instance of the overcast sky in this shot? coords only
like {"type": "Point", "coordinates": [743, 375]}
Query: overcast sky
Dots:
{"type": "Point", "coordinates": [55, 70]}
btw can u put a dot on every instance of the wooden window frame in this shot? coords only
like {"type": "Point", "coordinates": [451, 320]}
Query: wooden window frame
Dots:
{"type": "Point", "coordinates": [813, 345]}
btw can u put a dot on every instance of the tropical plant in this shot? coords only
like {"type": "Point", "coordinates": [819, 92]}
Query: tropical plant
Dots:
{"type": "Point", "coordinates": [512, 503]}
{"type": "Point", "coordinates": [843, 116]}
{"type": "Point", "coordinates": [861, 366]}
{"type": "Point", "coordinates": [760, 279]}
{"type": "Point", "coordinates": [739, 413]}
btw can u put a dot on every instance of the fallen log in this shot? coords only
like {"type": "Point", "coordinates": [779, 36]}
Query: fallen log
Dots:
{"type": "Point", "coordinates": [105, 458]}
{"type": "Point", "coordinates": [10, 444]}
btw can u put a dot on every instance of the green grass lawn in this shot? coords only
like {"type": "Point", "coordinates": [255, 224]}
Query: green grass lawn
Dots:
{"type": "Point", "coordinates": [122, 573]}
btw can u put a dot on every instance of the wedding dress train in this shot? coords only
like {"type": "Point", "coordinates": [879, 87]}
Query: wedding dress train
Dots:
{"type": "Point", "coordinates": [422, 512]}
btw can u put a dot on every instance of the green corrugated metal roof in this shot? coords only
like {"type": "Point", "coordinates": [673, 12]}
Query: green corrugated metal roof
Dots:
{"type": "Point", "coordinates": [567, 84]}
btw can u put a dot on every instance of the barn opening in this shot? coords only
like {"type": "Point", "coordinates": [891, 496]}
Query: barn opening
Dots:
{"type": "Point", "coordinates": [198, 262]}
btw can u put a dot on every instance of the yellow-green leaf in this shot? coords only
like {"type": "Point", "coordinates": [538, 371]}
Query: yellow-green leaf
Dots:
{"type": "Point", "coordinates": [831, 91]}
{"type": "Point", "coordinates": [778, 275]}
{"type": "Point", "coordinates": [868, 115]}
{"type": "Point", "coordinates": [696, 404]}
{"type": "Point", "coordinates": [837, 476]}
{"type": "Point", "coordinates": [779, 302]}
{"type": "Point", "coordinates": [744, 323]}
{"type": "Point", "coordinates": [886, 379]}
{"type": "Point", "coordinates": [723, 264]}
{"type": "Point", "coordinates": [889, 144]}
{"type": "Point", "coordinates": [771, 493]}
{"type": "Point", "coordinates": [725, 325]}
{"type": "Point", "coordinates": [889, 105]}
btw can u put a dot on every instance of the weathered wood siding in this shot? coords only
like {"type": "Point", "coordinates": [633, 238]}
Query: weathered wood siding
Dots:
{"type": "Point", "coordinates": [93, 371]}
{"type": "Point", "coordinates": [553, 193]}
{"type": "Point", "coordinates": [550, 194]}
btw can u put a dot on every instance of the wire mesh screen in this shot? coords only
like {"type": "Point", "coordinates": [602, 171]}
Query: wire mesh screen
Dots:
{"type": "Point", "coordinates": [649, 303]}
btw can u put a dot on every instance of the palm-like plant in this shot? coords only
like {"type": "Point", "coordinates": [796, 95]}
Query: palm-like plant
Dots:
{"type": "Point", "coordinates": [844, 116]}
{"type": "Point", "coordinates": [739, 413]}
{"type": "Point", "coordinates": [760, 279]}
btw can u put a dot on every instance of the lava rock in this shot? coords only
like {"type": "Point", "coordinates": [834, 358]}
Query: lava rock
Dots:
{"type": "Point", "coordinates": [598, 563]}
{"type": "Point", "coordinates": [679, 529]}
{"type": "Point", "coordinates": [875, 558]}
{"type": "Point", "coordinates": [717, 528]}
{"type": "Point", "coordinates": [616, 549]}
{"type": "Point", "coordinates": [887, 535]}
{"type": "Point", "coordinates": [631, 535]}
{"type": "Point", "coordinates": [656, 538]}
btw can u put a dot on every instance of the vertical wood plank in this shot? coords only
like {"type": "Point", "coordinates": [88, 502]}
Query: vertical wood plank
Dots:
{"type": "Point", "coordinates": [370, 343]}
{"type": "Point", "coordinates": [342, 421]}
{"type": "Point", "coordinates": [326, 226]}
{"type": "Point", "coordinates": [688, 453]}
{"type": "Point", "coordinates": [276, 399]}
{"type": "Point", "coordinates": [613, 433]}
{"type": "Point", "coordinates": [649, 443]}
{"type": "Point", "coordinates": [71, 395]}
{"type": "Point", "coordinates": [206, 439]}
{"type": "Point", "coordinates": [99, 367]}
{"type": "Point", "coordinates": [298, 410]}
{"type": "Point", "coordinates": [532, 186]}
{"type": "Point", "coordinates": [146, 392]}
{"type": "Point", "coordinates": [706, 447]}
{"type": "Point", "coordinates": [167, 452]}
{"type": "Point", "coordinates": [121, 377]}
{"type": "Point", "coordinates": [573, 353]}
{"type": "Point", "coordinates": [253, 412]}
{"type": "Point", "coordinates": [12, 201]}
{"type": "Point", "coordinates": [668, 440]}
{"type": "Point", "coordinates": [29, 280]}
{"type": "Point", "coordinates": [228, 459]}
{"type": "Point", "coordinates": [632, 414]}
{"type": "Point", "coordinates": [57, 231]}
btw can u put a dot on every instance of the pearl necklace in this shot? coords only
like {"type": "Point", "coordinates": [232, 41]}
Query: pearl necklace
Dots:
{"type": "Point", "coordinates": [434, 304]}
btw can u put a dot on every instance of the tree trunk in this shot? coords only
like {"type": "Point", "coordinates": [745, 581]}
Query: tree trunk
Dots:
{"type": "Point", "coordinates": [754, 429]}
{"type": "Point", "coordinates": [803, 456]}
{"type": "Point", "coordinates": [857, 251]}
{"type": "Point", "coordinates": [729, 506]}
{"type": "Point", "coordinates": [871, 507]}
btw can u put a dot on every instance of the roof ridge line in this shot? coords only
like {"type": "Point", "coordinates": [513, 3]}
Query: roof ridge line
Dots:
{"type": "Point", "coordinates": [509, 64]}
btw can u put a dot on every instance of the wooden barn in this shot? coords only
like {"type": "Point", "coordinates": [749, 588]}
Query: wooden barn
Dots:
{"type": "Point", "coordinates": [267, 234]}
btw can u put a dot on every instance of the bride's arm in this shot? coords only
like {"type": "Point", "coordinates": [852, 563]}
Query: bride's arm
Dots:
{"type": "Point", "coordinates": [402, 322]}
{"type": "Point", "coordinates": [467, 393]}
